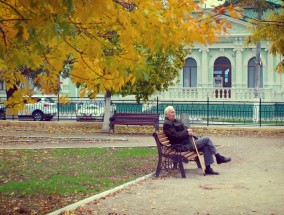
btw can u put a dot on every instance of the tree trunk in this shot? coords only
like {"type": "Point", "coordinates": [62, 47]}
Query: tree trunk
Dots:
{"type": "Point", "coordinates": [257, 65]}
{"type": "Point", "coordinates": [257, 71]}
{"type": "Point", "coordinates": [105, 127]}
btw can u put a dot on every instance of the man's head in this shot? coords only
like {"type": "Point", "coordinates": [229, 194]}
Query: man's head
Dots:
{"type": "Point", "coordinates": [170, 113]}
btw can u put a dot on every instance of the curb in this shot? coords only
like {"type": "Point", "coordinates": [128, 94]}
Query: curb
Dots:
{"type": "Point", "coordinates": [68, 147]}
{"type": "Point", "coordinates": [99, 196]}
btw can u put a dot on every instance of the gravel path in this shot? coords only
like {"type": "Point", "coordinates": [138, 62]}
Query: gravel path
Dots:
{"type": "Point", "coordinates": [252, 183]}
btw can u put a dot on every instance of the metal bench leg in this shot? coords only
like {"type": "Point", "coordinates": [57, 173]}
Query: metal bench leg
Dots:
{"type": "Point", "coordinates": [159, 167]}
{"type": "Point", "coordinates": [175, 165]}
{"type": "Point", "coordinates": [181, 168]}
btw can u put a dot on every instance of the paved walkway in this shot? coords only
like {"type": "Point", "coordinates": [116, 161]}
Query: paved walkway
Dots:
{"type": "Point", "coordinates": [74, 141]}
{"type": "Point", "coordinates": [251, 184]}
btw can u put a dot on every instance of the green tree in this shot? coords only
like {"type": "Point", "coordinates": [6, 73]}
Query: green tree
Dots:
{"type": "Point", "coordinates": [270, 29]}
{"type": "Point", "coordinates": [260, 7]}
{"type": "Point", "coordinates": [160, 73]}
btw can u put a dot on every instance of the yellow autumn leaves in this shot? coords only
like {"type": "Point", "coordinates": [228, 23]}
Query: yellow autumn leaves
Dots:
{"type": "Point", "coordinates": [106, 38]}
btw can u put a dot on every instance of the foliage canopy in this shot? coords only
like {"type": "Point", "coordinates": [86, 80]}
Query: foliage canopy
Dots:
{"type": "Point", "coordinates": [110, 41]}
{"type": "Point", "coordinates": [271, 29]}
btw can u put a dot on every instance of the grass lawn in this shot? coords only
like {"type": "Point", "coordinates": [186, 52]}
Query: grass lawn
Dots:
{"type": "Point", "coordinates": [41, 181]}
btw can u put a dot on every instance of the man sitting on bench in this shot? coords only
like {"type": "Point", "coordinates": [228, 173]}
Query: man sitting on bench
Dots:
{"type": "Point", "coordinates": [178, 133]}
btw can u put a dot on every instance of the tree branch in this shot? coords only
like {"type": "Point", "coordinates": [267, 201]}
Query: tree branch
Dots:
{"type": "Point", "coordinates": [128, 6]}
{"type": "Point", "coordinates": [14, 9]}
{"type": "Point", "coordinates": [8, 20]}
{"type": "Point", "coordinates": [4, 36]}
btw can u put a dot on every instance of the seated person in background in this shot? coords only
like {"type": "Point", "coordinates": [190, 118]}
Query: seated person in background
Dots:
{"type": "Point", "coordinates": [178, 133]}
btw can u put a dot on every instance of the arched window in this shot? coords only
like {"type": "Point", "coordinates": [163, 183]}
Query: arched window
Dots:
{"type": "Point", "coordinates": [222, 72]}
{"type": "Point", "coordinates": [190, 73]}
{"type": "Point", "coordinates": [251, 74]}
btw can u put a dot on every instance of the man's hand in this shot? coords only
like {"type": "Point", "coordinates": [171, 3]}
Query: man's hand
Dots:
{"type": "Point", "coordinates": [190, 131]}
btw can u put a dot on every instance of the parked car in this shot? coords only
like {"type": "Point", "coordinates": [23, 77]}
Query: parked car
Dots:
{"type": "Point", "coordinates": [90, 110]}
{"type": "Point", "coordinates": [43, 109]}
{"type": "Point", "coordinates": [2, 112]}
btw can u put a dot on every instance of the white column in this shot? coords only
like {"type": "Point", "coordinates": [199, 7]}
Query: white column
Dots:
{"type": "Point", "coordinates": [203, 77]}
{"type": "Point", "coordinates": [239, 67]}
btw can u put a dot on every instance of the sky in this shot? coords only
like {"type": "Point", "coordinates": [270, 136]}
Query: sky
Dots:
{"type": "Point", "coordinates": [209, 3]}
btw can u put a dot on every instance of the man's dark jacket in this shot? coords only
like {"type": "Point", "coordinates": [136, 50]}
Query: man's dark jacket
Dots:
{"type": "Point", "coordinates": [177, 133]}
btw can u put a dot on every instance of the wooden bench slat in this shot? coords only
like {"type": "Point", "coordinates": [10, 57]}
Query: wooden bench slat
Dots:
{"type": "Point", "coordinates": [166, 142]}
{"type": "Point", "coordinates": [134, 119]}
{"type": "Point", "coordinates": [188, 153]}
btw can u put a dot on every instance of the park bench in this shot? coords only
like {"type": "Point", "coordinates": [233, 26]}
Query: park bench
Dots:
{"type": "Point", "coordinates": [134, 119]}
{"type": "Point", "coordinates": [170, 158]}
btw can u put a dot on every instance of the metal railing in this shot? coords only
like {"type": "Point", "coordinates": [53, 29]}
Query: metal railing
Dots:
{"type": "Point", "coordinates": [220, 94]}
{"type": "Point", "coordinates": [234, 113]}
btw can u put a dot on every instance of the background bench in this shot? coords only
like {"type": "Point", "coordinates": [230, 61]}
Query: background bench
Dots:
{"type": "Point", "coordinates": [169, 158]}
{"type": "Point", "coordinates": [134, 119]}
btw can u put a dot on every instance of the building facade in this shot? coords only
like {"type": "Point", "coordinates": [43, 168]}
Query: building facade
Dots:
{"type": "Point", "coordinates": [225, 70]}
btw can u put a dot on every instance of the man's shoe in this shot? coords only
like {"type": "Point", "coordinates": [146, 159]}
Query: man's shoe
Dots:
{"type": "Point", "coordinates": [221, 159]}
{"type": "Point", "coordinates": [210, 171]}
